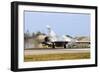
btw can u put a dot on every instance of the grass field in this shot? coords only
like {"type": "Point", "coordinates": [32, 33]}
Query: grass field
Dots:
{"type": "Point", "coordinates": [58, 56]}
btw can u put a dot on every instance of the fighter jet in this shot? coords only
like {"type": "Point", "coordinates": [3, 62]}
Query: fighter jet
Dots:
{"type": "Point", "coordinates": [53, 40]}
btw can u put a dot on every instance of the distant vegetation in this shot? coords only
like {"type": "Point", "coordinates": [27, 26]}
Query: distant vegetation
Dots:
{"type": "Point", "coordinates": [33, 35]}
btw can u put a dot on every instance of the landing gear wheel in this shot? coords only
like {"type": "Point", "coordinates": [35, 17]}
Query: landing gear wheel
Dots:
{"type": "Point", "coordinates": [64, 45]}
{"type": "Point", "coordinates": [53, 46]}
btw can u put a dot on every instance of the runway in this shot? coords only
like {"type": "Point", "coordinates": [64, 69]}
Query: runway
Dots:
{"type": "Point", "coordinates": [56, 51]}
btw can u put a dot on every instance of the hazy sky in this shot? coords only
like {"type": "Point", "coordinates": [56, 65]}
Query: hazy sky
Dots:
{"type": "Point", "coordinates": [72, 24]}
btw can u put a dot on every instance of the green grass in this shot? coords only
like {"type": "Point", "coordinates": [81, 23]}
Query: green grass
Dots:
{"type": "Point", "coordinates": [63, 56]}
